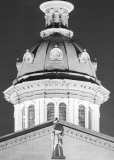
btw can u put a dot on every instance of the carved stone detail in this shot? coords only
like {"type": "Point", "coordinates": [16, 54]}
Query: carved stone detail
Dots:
{"type": "Point", "coordinates": [51, 31]}
{"type": "Point", "coordinates": [99, 139]}
{"type": "Point", "coordinates": [56, 54]}
{"type": "Point", "coordinates": [76, 89]}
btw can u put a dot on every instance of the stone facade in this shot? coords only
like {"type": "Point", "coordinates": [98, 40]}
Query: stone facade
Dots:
{"type": "Point", "coordinates": [78, 143]}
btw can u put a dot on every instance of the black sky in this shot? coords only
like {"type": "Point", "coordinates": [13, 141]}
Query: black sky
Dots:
{"type": "Point", "coordinates": [92, 22]}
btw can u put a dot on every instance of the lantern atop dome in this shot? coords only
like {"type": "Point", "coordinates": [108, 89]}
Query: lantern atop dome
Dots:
{"type": "Point", "coordinates": [56, 13]}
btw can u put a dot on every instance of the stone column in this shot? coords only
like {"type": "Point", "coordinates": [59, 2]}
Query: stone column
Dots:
{"type": "Point", "coordinates": [96, 117]}
{"type": "Point", "coordinates": [67, 113]}
{"type": "Point", "coordinates": [76, 114]}
{"type": "Point", "coordinates": [71, 110]}
{"type": "Point", "coordinates": [20, 115]}
{"type": "Point", "coordinates": [42, 114]}
{"type": "Point", "coordinates": [97, 110]}
{"type": "Point", "coordinates": [16, 117]}
{"type": "Point", "coordinates": [92, 116]}
{"type": "Point", "coordinates": [99, 118]}
{"type": "Point", "coordinates": [37, 114]}
{"type": "Point", "coordinates": [26, 117]}
{"type": "Point", "coordinates": [56, 110]}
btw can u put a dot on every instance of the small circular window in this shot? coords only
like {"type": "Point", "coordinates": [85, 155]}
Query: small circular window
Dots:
{"type": "Point", "coordinates": [84, 57]}
{"type": "Point", "coordinates": [56, 54]}
{"type": "Point", "coordinates": [28, 57]}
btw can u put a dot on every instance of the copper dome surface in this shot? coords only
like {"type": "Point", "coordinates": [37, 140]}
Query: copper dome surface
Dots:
{"type": "Point", "coordinates": [69, 63]}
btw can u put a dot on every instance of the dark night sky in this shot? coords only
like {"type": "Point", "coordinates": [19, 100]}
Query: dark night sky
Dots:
{"type": "Point", "coordinates": [92, 22]}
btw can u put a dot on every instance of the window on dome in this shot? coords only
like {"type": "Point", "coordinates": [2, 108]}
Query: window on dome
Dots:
{"type": "Point", "coordinates": [62, 111]}
{"type": "Point", "coordinates": [31, 116]}
{"type": "Point", "coordinates": [81, 115]}
{"type": "Point", "coordinates": [23, 118]}
{"type": "Point", "coordinates": [89, 118]}
{"type": "Point", "coordinates": [50, 111]}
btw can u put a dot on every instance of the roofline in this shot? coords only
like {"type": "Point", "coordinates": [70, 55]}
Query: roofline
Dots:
{"type": "Point", "coordinates": [56, 72]}
{"type": "Point", "coordinates": [65, 124]}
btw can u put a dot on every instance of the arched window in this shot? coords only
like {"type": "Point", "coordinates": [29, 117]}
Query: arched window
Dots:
{"type": "Point", "coordinates": [50, 111]}
{"type": "Point", "coordinates": [31, 116]}
{"type": "Point", "coordinates": [81, 115]}
{"type": "Point", "coordinates": [62, 111]}
{"type": "Point", "coordinates": [89, 118]}
{"type": "Point", "coordinates": [23, 118]}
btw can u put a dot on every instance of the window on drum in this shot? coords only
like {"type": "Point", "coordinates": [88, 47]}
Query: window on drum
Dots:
{"type": "Point", "coordinates": [81, 115]}
{"type": "Point", "coordinates": [31, 116]}
{"type": "Point", "coordinates": [62, 111]}
{"type": "Point", "coordinates": [23, 118]}
{"type": "Point", "coordinates": [90, 118]}
{"type": "Point", "coordinates": [50, 111]}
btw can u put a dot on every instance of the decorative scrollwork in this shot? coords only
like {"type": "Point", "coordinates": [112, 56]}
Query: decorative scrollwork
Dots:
{"type": "Point", "coordinates": [56, 54]}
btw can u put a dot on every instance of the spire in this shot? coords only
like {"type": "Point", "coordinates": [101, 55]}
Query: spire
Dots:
{"type": "Point", "coordinates": [56, 13]}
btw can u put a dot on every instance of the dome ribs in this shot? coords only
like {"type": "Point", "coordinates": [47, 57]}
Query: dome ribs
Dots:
{"type": "Point", "coordinates": [47, 50]}
{"type": "Point", "coordinates": [65, 50]}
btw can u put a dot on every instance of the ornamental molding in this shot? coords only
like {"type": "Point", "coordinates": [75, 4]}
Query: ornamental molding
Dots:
{"type": "Point", "coordinates": [84, 57]}
{"type": "Point", "coordinates": [56, 54]}
{"type": "Point", "coordinates": [57, 4]}
{"type": "Point", "coordinates": [25, 138]}
{"type": "Point", "coordinates": [89, 138]}
{"type": "Point", "coordinates": [79, 133]}
{"type": "Point", "coordinates": [56, 88]}
{"type": "Point", "coordinates": [28, 57]}
{"type": "Point", "coordinates": [51, 31]}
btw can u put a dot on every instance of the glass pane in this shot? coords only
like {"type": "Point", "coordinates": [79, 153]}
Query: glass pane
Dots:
{"type": "Point", "coordinates": [90, 118]}
{"type": "Point", "coordinates": [62, 111]}
{"type": "Point", "coordinates": [23, 118]}
{"type": "Point", "coordinates": [81, 115]}
{"type": "Point", "coordinates": [50, 111]}
{"type": "Point", "coordinates": [31, 116]}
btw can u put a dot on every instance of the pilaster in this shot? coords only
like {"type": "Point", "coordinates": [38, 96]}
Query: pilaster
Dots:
{"type": "Point", "coordinates": [42, 113]}
{"type": "Point", "coordinates": [26, 117]}
{"type": "Point", "coordinates": [71, 110]}
{"type": "Point", "coordinates": [20, 115]}
{"type": "Point", "coordinates": [16, 116]}
{"type": "Point", "coordinates": [37, 113]}
{"type": "Point", "coordinates": [56, 110]}
{"type": "Point", "coordinates": [76, 112]}
{"type": "Point", "coordinates": [96, 118]}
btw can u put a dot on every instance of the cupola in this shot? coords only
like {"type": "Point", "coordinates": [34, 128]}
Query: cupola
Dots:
{"type": "Point", "coordinates": [56, 13]}
{"type": "Point", "coordinates": [56, 77]}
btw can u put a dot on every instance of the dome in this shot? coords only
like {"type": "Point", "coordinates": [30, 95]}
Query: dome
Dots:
{"type": "Point", "coordinates": [55, 53]}
{"type": "Point", "coordinates": [56, 77]}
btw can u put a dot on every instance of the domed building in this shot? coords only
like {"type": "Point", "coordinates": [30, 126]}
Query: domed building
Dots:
{"type": "Point", "coordinates": [56, 78]}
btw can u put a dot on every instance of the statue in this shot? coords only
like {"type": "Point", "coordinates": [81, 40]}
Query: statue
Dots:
{"type": "Point", "coordinates": [57, 141]}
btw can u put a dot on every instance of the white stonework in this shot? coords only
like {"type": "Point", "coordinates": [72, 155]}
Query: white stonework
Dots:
{"type": "Point", "coordinates": [74, 98]}
{"type": "Point", "coordinates": [56, 4]}
{"type": "Point", "coordinates": [41, 92]}
{"type": "Point", "coordinates": [72, 113]}
{"type": "Point", "coordinates": [51, 31]}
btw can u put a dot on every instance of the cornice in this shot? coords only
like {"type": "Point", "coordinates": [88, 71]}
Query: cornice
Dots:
{"type": "Point", "coordinates": [75, 89]}
{"type": "Point", "coordinates": [70, 130]}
